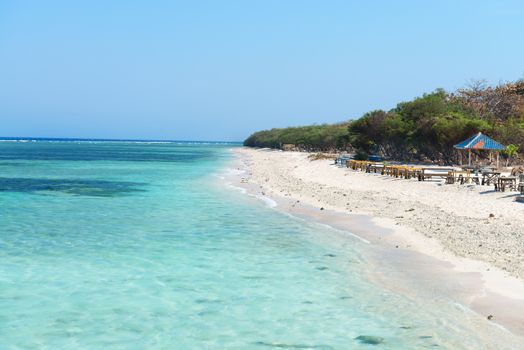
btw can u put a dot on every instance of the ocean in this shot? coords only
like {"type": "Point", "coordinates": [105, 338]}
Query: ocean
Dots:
{"type": "Point", "coordinates": [144, 245]}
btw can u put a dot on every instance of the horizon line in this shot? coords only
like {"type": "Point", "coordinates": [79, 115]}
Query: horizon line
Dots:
{"type": "Point", "coordinates": [41, 138]}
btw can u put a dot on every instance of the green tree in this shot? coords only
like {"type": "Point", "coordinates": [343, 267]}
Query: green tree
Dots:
{"type": "Point", "coordinates": [511, 151]}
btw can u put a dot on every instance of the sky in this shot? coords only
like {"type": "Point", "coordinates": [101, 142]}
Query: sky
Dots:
{"type": "Point", "coordinates": [220, 70]}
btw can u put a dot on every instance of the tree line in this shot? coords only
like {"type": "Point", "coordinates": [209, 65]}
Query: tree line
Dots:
{"type": "Point", "coordinates": [425, 128]}
{"type": "Point", "coordinates": [323, 137]}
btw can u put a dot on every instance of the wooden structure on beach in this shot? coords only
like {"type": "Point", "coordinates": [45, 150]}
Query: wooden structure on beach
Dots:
{"type": "Point", "coordinates": [398, 171]}
{"type": "Point", "coordinates": [451, 175]}
{"type": "Point", "coordinates": [480, 142]}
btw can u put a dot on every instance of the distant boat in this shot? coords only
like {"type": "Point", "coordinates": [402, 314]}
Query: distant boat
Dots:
{"type": "Point", "coordinates": [375, 158]}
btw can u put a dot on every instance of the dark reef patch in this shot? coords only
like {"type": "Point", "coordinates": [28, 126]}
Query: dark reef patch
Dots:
{"type": "Point", "coordinates": [293, 346]}
{"type": "Point", "coordinates": [78, 187]}
{"type": "Point", "coordinates": [369, 339]}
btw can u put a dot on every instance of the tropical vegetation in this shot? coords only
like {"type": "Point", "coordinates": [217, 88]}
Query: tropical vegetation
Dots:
{"type": "Point", "coordinates": [425, 128]}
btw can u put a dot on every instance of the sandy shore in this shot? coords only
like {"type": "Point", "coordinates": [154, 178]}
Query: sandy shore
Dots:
{"type": "Point", "coordinates": [475, 231]}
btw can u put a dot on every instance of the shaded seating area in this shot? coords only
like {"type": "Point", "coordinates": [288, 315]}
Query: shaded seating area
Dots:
{"type": "Point", "coordinates": [481, 175]}
{"type": "Point", "coordinates": [480, 142]}
{"type": "Point", "coordinates": [399, 170]}
{"type": "Point", "coordinates": [485, 176]}
{"type": "Point", "coordinates": [451, 175]}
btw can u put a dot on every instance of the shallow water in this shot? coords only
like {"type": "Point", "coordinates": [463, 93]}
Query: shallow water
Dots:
{"type": "Point", "coordinates": [129, 245]}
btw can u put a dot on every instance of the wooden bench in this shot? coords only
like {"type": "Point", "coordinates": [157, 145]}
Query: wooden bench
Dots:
{"type": "Point", "coordinates": [435, 172]}
{"type": "Point", "coordinates": [363, 165]}
{"type": "Point", "coordinates": [375, 168]}
{"type": "Point", "coordinates": [399, 171]}
{"type": "Point", "coordinates": [410, 172]}
{"type": "Point", "coordinates": [462, 177]}
{"type": "Point", "coordinates": [357, 164]}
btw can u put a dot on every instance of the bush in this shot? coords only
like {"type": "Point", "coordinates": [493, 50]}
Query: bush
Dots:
{"type": "Point", "coordinates": [361, 155]}
{"type": "Point", "coordinates": [425, 128]}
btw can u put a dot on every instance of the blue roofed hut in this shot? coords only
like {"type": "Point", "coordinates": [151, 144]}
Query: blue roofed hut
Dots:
{"type": "Point", "coordinates": [480, 142]}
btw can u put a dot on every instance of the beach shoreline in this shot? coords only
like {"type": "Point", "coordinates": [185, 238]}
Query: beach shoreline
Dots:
{"type": "Point", "coordinates": [316, 190]}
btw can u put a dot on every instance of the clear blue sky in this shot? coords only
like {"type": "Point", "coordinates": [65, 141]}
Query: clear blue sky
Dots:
{"type": "Point", "coordinates": [219, 70]}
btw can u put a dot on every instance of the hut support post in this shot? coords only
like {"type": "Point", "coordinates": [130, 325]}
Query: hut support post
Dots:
{"type": "Point", "coordinates": [498, 159]}
{"type": "Point", "coordinates": [469, 157]}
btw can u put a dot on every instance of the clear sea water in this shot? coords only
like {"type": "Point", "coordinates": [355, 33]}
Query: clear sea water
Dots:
{"type": "Point", "coordinates": [125, 245]}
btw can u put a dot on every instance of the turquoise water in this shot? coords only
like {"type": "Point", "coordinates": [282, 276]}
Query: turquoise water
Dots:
{"type": "Point", "coordinates": [120, 245]}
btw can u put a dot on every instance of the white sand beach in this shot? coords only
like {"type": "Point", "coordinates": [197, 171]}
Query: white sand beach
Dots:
{"type": "Point", "coordinates": [472, 228]}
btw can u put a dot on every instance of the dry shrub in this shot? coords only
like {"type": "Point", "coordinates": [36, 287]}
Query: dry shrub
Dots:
{"type": "Point", "coordinates": [319, 156]}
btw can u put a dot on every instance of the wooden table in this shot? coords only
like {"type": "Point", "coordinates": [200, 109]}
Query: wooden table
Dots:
{"type": "Point", "coordinates": [462, 177]}
{"type": "Point", "coordinates": [374, 168]}
{"type": "Point", "coordinates": [490, 176]}
{"type": "Point", "coordinates": [506, 181]}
